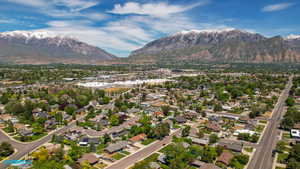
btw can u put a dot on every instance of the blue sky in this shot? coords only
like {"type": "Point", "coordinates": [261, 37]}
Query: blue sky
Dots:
{"type": "Point", "coordinates": [120, 26]}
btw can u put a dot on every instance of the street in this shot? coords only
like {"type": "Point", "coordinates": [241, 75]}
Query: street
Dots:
{"type": "Point", "coordinates": [24, 148]}
{"type": "Point", "coordinates": [142, 154]}
{"type": "Point", "coordinates": [262, 158]}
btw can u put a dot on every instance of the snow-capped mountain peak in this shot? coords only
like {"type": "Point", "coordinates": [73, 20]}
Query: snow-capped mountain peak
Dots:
{"type": "Point", "coordinates": [31, 34]}
{"type": "Point", "coordinates": [48, 47]}
{"type": "Point", "coordinates": [207, 31]}
{"type": "Point", "coordinates": [292, 36]}
{"type": "Point", "coordinates": [210, 31]}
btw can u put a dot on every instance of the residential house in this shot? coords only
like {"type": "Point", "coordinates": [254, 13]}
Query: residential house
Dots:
{"type": "Point", "coordinates": [243, 131]}
{"type": "Point", "coordinates": [5, 117]}
{"type": "Point", "coordinates": [213, 126]}
{"type": "Point", "coordinates": [118, 132]}
{"type": "Point", "coordinates": [214, 118]}
{"type": "Point", "coordinates": [50, 124]}
{"type": "Point", "coordinates": [234, 146]}
{"type": "Point", "coordinates": [225, 158]}
{"type": "Point", "coordinates": [180, 119]}
{"type": "Point", "coordinates": [199, 141]}
{"type": "Point", "coordinates": [90, 158]}
{"type": "Point", "coordinates": [191, 115]}
{"type": "Point", "coordinates": [86, 141]}
{"type": "Point", "coordinates": [138, 138]}
{"type": "Point", "coordinates": [209, 166]}
{"type": "Point", "coordinates": [244, 119]}
{"type": "Point", "coordinates": [25, 132]}
{"type": "Point", "coordinates": [112, 148]}
{"type": "Point", "coordinates": [197, 163]}
{"type": "Point", "coordinates": [193, 132]}
{"type": "Point", "coordinates": [158, 114]}
{"type": "Point", "coordinates": [19, 126]}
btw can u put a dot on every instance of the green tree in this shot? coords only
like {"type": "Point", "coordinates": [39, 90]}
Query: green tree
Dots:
{"type": "Point", "coordinates": [70, 109]}
{"type": "Point", "coordinates": [280, 147]}
{"type": "Point", "coordinates": [213, 138]}
{"type": "Point", "coordinates": [114, 120]}
{"type": "Point", "coordinates": [290, 101]}
{"type": "Point", "coordinates": [14, 107]}
{"type": "Point", "coordinates": [165, 110]}
{"type": "Point", "coordinates": [200, 133]}
{"type": "Point", "coordinates": [186, 131]}
{"type": "Point", "coordinates": [6, 149]}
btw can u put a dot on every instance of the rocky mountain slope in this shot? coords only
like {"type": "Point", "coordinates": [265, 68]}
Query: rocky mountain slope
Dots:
{"type": "Point", "coordinates": [21, 47]}
{"type": "Point", "coordinates": [229, 45]}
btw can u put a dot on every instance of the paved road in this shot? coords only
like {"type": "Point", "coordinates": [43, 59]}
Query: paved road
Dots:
{"type": "Point", "coordinates": [262, 158]}
{"type": "Point", "coordinates": [142, 154]}
{"type": "Point", "coordinates": [25, 148]}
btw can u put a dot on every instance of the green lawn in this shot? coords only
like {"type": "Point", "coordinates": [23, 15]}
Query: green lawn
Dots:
{"type": "Point", "coordinates": [165, 148]}
{"type": "Point", "coordinates": [259, 128]}
{"type": "Point", "coordinates": [125, 152]}
{"type": "Point", "coordinates": [282, 157]}
{"type": "Point", "coordinates": [286, 135]}
{"type": "Point", "coordinates": [152, 157]}
{"type": "Point", "coordinates": [249, 149]}
{"type": "Point", "coordinates": [118, 156]}
{"type": "Point", "coordinates": [30, 138]}
{"type": "Point", "coordinates": [1, 158]}
{"type": "Point", "coordinates": [263, 121]}
{"type": "Point", "coordinates": [148, 141]}
{"type": "Point", "coordinates": [101, 165]}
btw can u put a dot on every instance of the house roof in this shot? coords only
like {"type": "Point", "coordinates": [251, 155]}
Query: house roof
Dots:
{"type": "Point", "coordinates": [198, 163]}
{"type": "Point", "coordinates": [225, 157]}
{"type": "Point", "coordinates": [5, 116]}
{"type": "Point", "coordinates": [180, 119]}
{"type": "Point", "coordinates": [209, 166]}
{"type": "Point", "coordinates": [25, 132]}
{"type": "Point", "coordinates": [213, 126]}
{"type": "Point", "coordinates": [158, 113]}
{"type": "Point", "coordinates": [90, 158]}
{"type": "Point", "coordinates": [199, 141]}
{"type": "Point", "coordinates": [234, 146]}
{"type": "Point", "coordinates": [137, 138]}
{"type": "Point", "coordinates": [116, 146]}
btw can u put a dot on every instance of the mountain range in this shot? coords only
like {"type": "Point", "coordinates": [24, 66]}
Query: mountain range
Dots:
{"type": "Point", "coordinates": [22, 47]}
{"type": "Point", "coordinates": [227, 45]}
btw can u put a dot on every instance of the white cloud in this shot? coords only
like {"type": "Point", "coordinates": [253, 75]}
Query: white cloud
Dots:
{"type": "Point", "coordinates": [96, 16]}
{"type": "Point", "coordinates": [34, 3]}
{"type": "Point", "coordinates": [82, 30]}
{"type": "Point", "coordinates": [153, 9]}
{"type": "Point", "coordinates": [7, 21]}
{"type": "Point", "coordinates": [76, 5]}
{"type": "Point", "coordinates": [277, 7]}
{"type": "Point", "coordinates": [64, 8]}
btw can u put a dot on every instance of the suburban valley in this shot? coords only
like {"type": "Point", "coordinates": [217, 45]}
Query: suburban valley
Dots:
{"type": "Point", "coordinates": [159, 118]}
{"type": "Point", "coordinates": [149, 84]}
